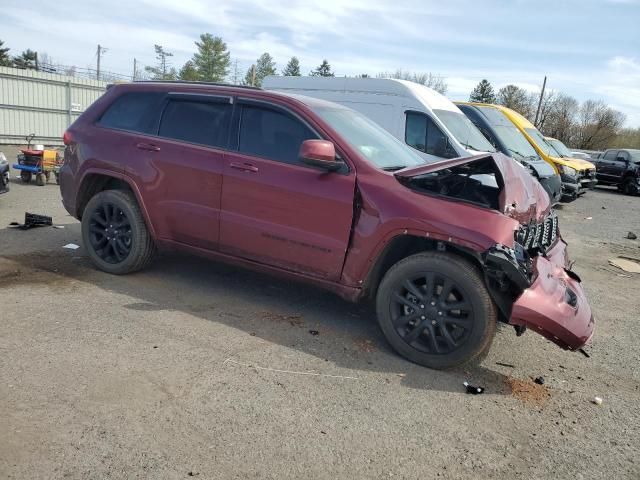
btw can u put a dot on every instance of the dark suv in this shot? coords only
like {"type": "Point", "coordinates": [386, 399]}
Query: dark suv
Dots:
{"type": "Point", "coordinates": [317, 192]}
{"type": "Point", "coordinates": [621, 168]}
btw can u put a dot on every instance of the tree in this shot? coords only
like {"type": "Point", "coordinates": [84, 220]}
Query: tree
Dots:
{"type": "Point", "coordinates": [560, 118]}
{"type": "Point", "coordinates": [265, 66]}
{"type": "Point", "coordinates": [163, 70]}
{"type": "Point", "coordinates": [517, 99]}
{"type": "Point", "coordinates": [597, 125]}
{"type": "Point", "coordinates": [628, 137]}
{"type": "Point", "coordinates": [483, 93]}
{"type": "Point", "coordinates": [293, 68]}
{"type": "Point", "coordinates": [27, 60]}
{"type": "Point", "coordinates": [323, 70]}
{"type": "Point", "coordinates": [212, 60]}
{"type": "Point", "coordinates": [5, 59]}
{"type": "Point", "coordinates": [188, 72]}
{"type": "Point", "coordinates": [250, 76]}
{"type": "Point", "coordinates": [435, 82]}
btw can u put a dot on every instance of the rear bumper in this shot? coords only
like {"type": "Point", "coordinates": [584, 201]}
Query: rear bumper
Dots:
{"type": "Point", "coordinates": [555, 305]}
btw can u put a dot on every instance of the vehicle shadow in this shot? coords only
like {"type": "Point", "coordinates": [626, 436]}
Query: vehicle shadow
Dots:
{"type": "Point", "coordinates": [287, 313]}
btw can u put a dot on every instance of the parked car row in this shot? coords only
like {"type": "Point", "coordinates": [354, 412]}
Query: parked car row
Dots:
{"type": "Point", "coordinates": [388, 193]}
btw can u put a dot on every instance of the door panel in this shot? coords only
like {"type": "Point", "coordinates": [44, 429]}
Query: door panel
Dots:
{"type": "Point", "coordinates": [288, 216]}
{"type": "Point", "coordinates": [277, 211]}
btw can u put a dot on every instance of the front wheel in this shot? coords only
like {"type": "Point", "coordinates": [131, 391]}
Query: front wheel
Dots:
{"type": "Point", "coordinates": [25, 176]}
{"type": "Point", "coordinates": [629, 187]}
{"type": "Point", "coordinates": [115, 234]}
{"type": "Point", "coordinates": [435, 310]}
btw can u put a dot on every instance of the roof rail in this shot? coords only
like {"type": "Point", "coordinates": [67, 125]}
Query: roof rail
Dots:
{"type": "Point", "coordinates": [188, 82]}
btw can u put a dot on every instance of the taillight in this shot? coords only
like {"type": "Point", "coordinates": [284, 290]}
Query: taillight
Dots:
{"type": "Point", "coordinates": [67, 138]}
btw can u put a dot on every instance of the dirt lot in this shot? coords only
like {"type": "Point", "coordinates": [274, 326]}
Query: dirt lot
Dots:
{"type": "Point", "coordinates": [194, 368]}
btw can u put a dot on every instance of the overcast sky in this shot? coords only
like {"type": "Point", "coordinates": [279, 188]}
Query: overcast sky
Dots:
{"type": "Point", "coordinates": [587, 48]}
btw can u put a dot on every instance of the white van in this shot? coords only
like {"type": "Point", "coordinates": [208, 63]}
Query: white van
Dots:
{"type": "Point", "coordinates": [413, 113]}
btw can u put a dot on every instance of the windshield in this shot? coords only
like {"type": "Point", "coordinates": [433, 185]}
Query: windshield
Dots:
{"type": "Point", "coordinates": [559, 147]}
{"type": "Point", "coordinates": [541, 142]}
{"type": "Point", "coordinates": [635, 155]}
{"type": "Point", "coordinates": [372, 141]}
{"type": "Point", "coordinates": [508, 134]}
{"type": "Point", "coordinates": [464, 131]}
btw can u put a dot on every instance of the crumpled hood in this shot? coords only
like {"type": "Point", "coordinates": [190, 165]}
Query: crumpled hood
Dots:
{"type": "Point", "coordinates": [521, 198]}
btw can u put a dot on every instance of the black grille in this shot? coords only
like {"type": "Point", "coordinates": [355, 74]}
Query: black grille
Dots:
{"type": "Point", "coordinates": [539, 236]}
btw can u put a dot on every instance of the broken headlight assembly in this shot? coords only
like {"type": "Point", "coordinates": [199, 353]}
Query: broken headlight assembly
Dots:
{"type": "Point", "coordinates": [510, 268]}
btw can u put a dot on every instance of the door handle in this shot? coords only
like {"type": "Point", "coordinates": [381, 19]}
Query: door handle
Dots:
{"type": "Point", "coordinates": [150, 147]}
{"type": "Point", "coordinates": [245, 167]}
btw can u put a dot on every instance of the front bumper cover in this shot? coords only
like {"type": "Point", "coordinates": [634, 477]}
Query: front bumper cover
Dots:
{"type": "Point", "coordinates": [555, 305]}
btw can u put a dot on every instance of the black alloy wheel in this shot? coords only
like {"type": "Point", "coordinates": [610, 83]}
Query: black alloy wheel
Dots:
{"type": "Point", "coordinates": [110, 233]}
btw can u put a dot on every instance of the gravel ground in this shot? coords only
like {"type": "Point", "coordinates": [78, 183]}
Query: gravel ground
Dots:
{"type": "Point", "coordinates": [193, 368]}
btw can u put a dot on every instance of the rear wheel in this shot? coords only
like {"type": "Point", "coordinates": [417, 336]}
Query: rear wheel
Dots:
{"type": "Point", "coordinates": [115, 234]}
{"type": "Point", "coordinates": [25, 176]}
{"type": "Point", "coordinates": [434, 310]}
{"type": "Point", "coordinates": [41, 180]}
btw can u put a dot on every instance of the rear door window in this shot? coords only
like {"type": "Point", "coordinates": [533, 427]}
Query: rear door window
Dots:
{"type": "Point", "coordinates": [134, 111]}
{"type": "Point", "coordinates": [422, 133]}
{"type": "Point", "coordinates": [610, 155]}
{"type": "Point", "coordinates": [623, 155]}
{"type": "Point", "coordinates": [272, 134]}
{"type": "Point", "coordinates": [200, 122]}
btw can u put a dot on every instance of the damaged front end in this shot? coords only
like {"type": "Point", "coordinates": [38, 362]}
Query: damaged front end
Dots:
{"type": "Point", "coordinates": [534, 287]}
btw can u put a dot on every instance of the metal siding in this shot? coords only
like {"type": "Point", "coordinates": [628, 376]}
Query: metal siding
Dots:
{"type": "Point", "coordinates": [35, 102]}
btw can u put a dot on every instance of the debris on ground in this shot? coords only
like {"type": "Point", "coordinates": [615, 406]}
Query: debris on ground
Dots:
{"type": "Point", "coordinates": [314, 332]}
{"type": "Point", "coordinates": [588, 218]}
{"type": "Point", "coordinates": [597, 400]}
{"type": "Point", "coordinates": [402, 375]}
{"type": "Point", "coordinates": [539, 380]}
{"type": "Point", "coordinates": [32, 220]}
{"type": "Point", "coordinates": [505, 364]}
{"type": "Point", "coordinates": [472, 389]}
{"type": "Point", "coordinates": [632, 236]}
{"type": "Point", "coordinates": [294, 320]}
{"type": "Point", "coordinates": [528, 392]}
{"type": "Point", "coordinates": [584, 352]}
{"type": "Point", "coordinates": [627, 264]}
{"type": "Point", "coordinates": [604, 208]}
{"type": "Point", "coordinates": [364, 345]}
{"type": "Point", "coordinates": [58, 226]}
{"type": "Point", "coordinates": [71, 246]}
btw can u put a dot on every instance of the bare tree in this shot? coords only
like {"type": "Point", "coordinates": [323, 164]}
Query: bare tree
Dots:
{"type": "Point", "coordinates": [433, 81]}
{"type": "Point", "coordinates": [560, 121]}
{"type": "Point", "coordinates": [597, 125]}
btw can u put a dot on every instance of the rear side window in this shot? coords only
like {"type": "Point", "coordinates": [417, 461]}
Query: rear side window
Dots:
{"type": "Point", "coordinates": [610, 155]}
{"type": "Point", "coordinates": [423, 134]}
{"type": "Point", "coordinates": [134, 111]}
{"type": "Point", "coordinates": [205, 123]}
{"type": "Point", "coordinates": [623, 155]}
{"type": "Point", "coordinates": [272, 134]}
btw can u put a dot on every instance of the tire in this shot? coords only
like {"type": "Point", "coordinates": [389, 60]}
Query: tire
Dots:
{"type": "Point", "coordinates": [47, 175]}
{"type": "Point", "coordinates": [116, 251]}
{"type": "Point", "coordinates": [25, 176]}
{"type": "Point", "coordinates": [57, 179]}
{"type": "Point", "coordinates": [628, 187]}
{"type": "Point", "coordinates": [460, 335]}
{"type": "Point", "coordinates": [41, 180]}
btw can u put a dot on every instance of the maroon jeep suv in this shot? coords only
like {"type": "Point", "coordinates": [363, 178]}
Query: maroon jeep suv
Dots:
{"type": "Point", "coordinates": [317, 192]}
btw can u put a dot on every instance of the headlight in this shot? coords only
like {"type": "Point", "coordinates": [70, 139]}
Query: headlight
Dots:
{"type": "Point", "coordinates": [3, 159]}
{"type": "Point", "coordinates": [568, 170]}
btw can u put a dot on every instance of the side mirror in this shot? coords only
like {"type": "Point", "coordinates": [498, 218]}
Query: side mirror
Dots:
{"type": "Point", "coordinates": [320, 154]}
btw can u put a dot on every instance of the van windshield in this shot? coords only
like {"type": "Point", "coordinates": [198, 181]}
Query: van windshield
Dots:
{"type": "Point", "coordinates": [559, 147]}
{"type": "Point", "coordinates": [372, 141]}
{"type": "Point", "coordinates": [508, 134]}
{"type": "Point", "coordinates": [464, 130]}
{"type": "Point", "coordinates": [541, 143]}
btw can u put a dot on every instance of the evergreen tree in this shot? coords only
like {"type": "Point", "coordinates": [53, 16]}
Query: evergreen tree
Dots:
{"type": "Point", "coordinates": [483, 93]}
{"type": "Point", "coordinates": [250, 76]}
{"type": "Point", "coordinates": [265, 66]}
{"type": "Point", "coordinates": [188, 72]}
{"type": "Point", "coordinates": [5, 59]}
{"type": "Point", "coordinates": [212, 60]}
{"type": "Point", "coordinates": [26, 59]}
{"type": "Point", "coordinates": [517, 99]}
{"type": "Point", "coordinates": [163, 70]}
{"type": "Point", "coordinates": [293, 68]}
{"type": "Point", "coordinates": [323, 70]}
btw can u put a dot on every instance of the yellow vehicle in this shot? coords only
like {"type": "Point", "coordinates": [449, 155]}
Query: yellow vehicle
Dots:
{"type": "Point", "coordinates": [577, 175]}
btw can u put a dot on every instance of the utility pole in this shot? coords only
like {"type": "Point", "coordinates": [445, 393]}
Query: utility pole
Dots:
{"type": "Point", "coordinates": [235, 72]}
{"type": "Point", "coordinates": [135, 69]}
{"type": "Point", "coordinates": [544, 84]}
{"type": "Point", "coordinates": [37, 69]}
{"type": "Point", "coordinates": [253, 75]}
{"type": "Point", "coordinates": [99, 52]}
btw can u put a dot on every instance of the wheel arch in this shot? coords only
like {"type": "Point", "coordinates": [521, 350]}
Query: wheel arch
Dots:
{"type": "Point", "coordinates": [96, 181]}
